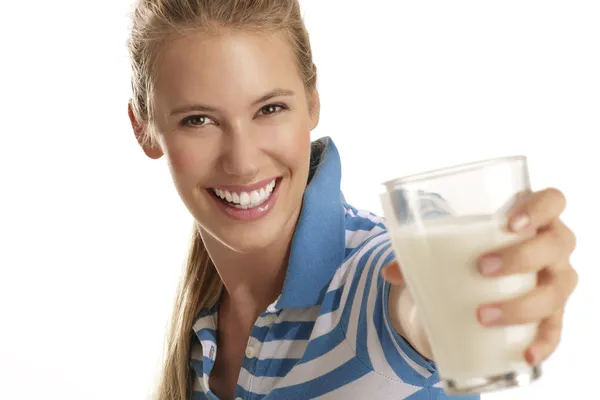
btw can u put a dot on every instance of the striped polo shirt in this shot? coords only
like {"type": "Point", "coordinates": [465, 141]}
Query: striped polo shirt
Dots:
{"type": "Point", "coordinates": [328, 335]}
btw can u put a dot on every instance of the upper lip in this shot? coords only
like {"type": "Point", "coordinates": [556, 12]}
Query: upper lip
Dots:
{"type": "Point", "coordinates": [245, 188]}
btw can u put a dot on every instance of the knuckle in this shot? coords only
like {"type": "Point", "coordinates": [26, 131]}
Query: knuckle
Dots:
{"type": "Point", "coordinates": [574, 280]}
{"type": "Point", "coordinates": [571, 240]}
{"type": "Point", "coordinates": [554, 336]}
{"type": "Point", "coordinates": [521, 257]}
{"type": "Point", "coordinates": [559, 297]}
{"type": "Point", "coordinates": [528, 308]}
{"type": "Point", "coordinates": [559, 238]}
{"type": "Point", "coordinates": [557, 195]}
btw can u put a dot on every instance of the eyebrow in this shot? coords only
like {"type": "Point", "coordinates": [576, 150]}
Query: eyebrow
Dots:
{"type": "Point", "coordinates": [205, 108]}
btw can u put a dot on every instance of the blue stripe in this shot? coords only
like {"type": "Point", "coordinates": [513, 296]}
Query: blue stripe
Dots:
{"type": "Point", "coordinates": [362, 351]}
{"type": "Point", "coordinates": [342, 375]}
{"type": "Point", "coordinates": [351, 208]}
{"type": "Point", "coordinates": [256, 396]}
{"type": "Point", "coordinates": [359, 269]}
{"type": "Point", "coordinates": [274, 367]}
{"type": "Point", "coordinates": [207, 334]}
{"type": "Point", "coordinates": [285, 330]}
{"type": "Point", "coordinates": [267, 313]}
{"type": "Point", "coordinates": [437, 393]}
{"type": "Point", "coordinates": [394, 359]}
{"type": "Point", "coordinates": [197, 366]}
{"type": "Point", "coordinates": [208, 364]}
{"type": "Point", "coordinates": [242, 393]}
{"type": "Point", "coordinates": [323, 344]}
{"type": "Point", "coordinates": [352, 250]}
{"type": "Point", "coordinates": [354, 224]}
{"type": "Point", "coordinates": [206, 312]}
{"type": "Point", "coordinates": [331, 301]}
{"type": "Point", "coordinates": [203, 396]}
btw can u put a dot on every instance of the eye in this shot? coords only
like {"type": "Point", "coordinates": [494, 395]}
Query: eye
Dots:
{"type": "Point", "coordinates": [197, 120]}
{"type": "Point", "coordinates": [272, 109]}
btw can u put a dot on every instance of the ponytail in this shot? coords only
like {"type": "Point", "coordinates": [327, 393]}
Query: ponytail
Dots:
{"type": "Point", "coordinates": [199, 288]}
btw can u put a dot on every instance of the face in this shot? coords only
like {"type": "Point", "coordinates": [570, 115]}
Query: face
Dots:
{"type": "Point", "coordinates": [233, 119]}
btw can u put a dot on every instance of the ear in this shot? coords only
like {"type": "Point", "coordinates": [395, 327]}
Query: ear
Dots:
{"type": "Point", "coordinates": [315, 110]}
{"type": "Point", "coordinates": [140, 131]}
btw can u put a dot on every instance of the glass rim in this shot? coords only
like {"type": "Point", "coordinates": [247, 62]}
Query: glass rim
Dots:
{"type": "Point", "coordinates": [452, 170]}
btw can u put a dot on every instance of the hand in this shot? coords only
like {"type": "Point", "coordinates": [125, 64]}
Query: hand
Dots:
{"type": "Point", "coordinates": [548, 254]}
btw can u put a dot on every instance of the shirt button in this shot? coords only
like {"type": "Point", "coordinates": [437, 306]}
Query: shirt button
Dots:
{"type": "Point", "coordinates": [250, 353]}
{"type": "Point", "coordinates": [271, 318]}
{"type": "Point", "coordinates": [238, 398]}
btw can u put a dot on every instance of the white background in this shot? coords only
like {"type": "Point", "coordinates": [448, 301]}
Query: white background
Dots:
{"type": "Point", "coordinates": [93, 234]}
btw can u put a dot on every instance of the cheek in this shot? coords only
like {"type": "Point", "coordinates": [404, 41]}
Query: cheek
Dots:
{"type": "Point", "coordinates": [293, 150]}
{"type": "Point", "coordinates": [293, 144]}
{"type": "Point", "coordinates": [187, 162]}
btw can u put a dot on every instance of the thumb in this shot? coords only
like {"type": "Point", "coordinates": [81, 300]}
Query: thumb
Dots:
{"type": "Point", "coordinates": [392, 273]}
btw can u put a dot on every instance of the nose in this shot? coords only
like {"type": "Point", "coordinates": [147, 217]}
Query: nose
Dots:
{"type": "Point", "coordinates": [240, 158]}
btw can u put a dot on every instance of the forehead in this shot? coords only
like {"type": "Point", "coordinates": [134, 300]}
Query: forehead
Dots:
{"type": "Point", "coordinates": [225, 67]}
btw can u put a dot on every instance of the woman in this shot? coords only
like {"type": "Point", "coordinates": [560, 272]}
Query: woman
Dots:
{"type": "Point", "coordinates": [283, 296]}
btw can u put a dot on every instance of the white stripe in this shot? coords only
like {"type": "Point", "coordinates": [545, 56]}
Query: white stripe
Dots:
{"type": "Point", "coordinates": [340, 275]}
{"type": "Point", "coordinates": [356, 238]}
{"type": "Point", "coordinates": [350, 212]}
{"type": "Point", "coordinates": [283, 349]}
{"type": "Point", "coordinates": [352, 328]}
{"type": "Point", "coordinates": [370, 216]}
{"type": "Point", "coordinates": [301, 373]}
{"type": "Point", "coordinates": [327, 322]}
{"type": "Point", "coordinates": [246, 377]}
{"type": "Point", "coordinates": [198, 385]}
{"type": "Point", "coordinates": [291, 315]}
{"type": "Point", "coordinates": [300, 314]}
{"type": "Point", "coordinates": [371, 386]}
{"type": "Point", "coordinates": [208, 321]}
{"type": "Point", "coordinates": [376, 354]}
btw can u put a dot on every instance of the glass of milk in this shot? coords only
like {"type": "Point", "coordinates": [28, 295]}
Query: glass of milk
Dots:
{"type": "Point", "coordinates": [440, 222]}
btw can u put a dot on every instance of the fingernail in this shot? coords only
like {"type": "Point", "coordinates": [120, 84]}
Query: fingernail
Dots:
{"type": "Point", "coordinates": [533, 357]}
{"type": "Point", "coordinates": [489, 265]}
{"type": "Point", "coordinates": [520, 222]}
{"type": "Point", "coordinates": [489, 315]}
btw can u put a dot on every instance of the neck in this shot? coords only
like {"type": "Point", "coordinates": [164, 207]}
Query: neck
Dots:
{"type": "Point", "coordinates": [252, 280]}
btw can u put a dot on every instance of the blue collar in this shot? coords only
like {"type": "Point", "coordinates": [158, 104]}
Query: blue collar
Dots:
{"type": "Point", "coordinates": [318, 245]}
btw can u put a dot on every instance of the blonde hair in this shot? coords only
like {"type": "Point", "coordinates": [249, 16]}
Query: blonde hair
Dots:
{"type": "Point", "coordinates": [155, 22]}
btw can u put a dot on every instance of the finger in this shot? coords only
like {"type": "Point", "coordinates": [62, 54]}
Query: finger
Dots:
{"type": "Point", "coordinates": [547, 340]}
{"type": "Point", "coordinates": [538, 211]}
{"type": "Point", "coordinates": [551, 294]}
{"type": "Point", "coordinates": [552, 244]}
{"type": "Point", "coordinates": [392, 273]}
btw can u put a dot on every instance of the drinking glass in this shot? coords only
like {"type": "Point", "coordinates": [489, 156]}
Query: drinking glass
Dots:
{"type": "Point", "coordinates": [440, 223]}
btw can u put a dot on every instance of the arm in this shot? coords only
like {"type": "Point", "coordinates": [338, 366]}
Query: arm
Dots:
{"type": "Point", "coordinates": [405, 318]}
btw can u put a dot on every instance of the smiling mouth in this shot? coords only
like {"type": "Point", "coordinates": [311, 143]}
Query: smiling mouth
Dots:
{"type": "Point", "coordinates": [246, 200]}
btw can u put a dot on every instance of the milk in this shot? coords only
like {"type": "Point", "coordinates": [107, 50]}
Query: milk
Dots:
{"type": "Point", "coordinates": [438, 259]}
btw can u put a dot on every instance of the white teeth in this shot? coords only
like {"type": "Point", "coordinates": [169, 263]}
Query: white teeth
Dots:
{"type": "Point", "coordinates": [254, 198]}
{"type": "Point", "coordinates": [245, 200]}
